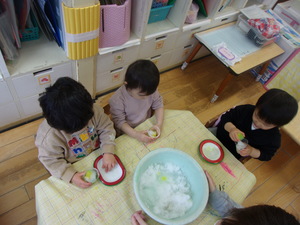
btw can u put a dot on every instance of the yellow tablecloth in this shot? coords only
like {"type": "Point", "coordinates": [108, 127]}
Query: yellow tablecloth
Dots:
{"type": "Point", "coordinates": [58, 202]}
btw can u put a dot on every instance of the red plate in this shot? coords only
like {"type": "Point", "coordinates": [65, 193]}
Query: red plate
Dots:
{"type": "Point", "coordinates": [211, 151]}
{"type": "Point", "coordinates": [113, 177]}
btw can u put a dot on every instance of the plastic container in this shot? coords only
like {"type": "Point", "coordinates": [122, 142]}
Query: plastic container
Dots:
{"type": "Point", "coordinates": [114, 24]}
{"type": "Point", "coordinates": [159, 14]}
{"type": "Point", "coordinates": [30, 34]}
{"type": "Point", "coordinates": [253, 33]}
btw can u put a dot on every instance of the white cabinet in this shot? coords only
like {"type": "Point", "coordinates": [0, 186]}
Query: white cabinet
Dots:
{"type": "Point", "coordinates": [108, 80]}
{"type": "Point", "coordinates": [117, 58]}
{"type": "Point", "coordinates": [35, 82]}
{"type": "Point", "coordinates": [28, 86]}
{"type": "Point", "coordinates": [158, 45]}
{"type": "Point", "coordinates": [8, 109]}
{"type": "Point", "coordinates": [9, 114]}
{"type": "Point", "coordinates": [162, 61]}
{"type": "Point", "coordinates": [30, 106]}
{"type": "Point", "coordinates": [167, 43]}
{"type": "Point", "coordinates": [21, 92]}
{"type": "Point", "coordinates": [5, 93]}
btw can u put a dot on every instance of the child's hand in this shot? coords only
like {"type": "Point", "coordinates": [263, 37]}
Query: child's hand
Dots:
{"type": "Point", "coordinates": [211, 183]}
{"type": "Point", "coordinates": [142, 136]}
{"type": "Point", "coordinates": [235, 133]}
{"type": "Point", "coordinates": [246, 151]}
{"type": "Point", "coordinates": [109, 161]}
{"type": "Point", "coordinates": [138, 218]}
{"type": "Point", "coordinates": [78, 180]}
{"type": "Point", "coordinates": [157, 129]}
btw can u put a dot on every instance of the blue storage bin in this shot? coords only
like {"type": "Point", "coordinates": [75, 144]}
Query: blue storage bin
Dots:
{"type": "Point", "coordinates": [158, 14]}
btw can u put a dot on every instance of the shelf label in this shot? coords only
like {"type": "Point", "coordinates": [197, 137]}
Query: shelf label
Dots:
{"type": "Point", "coordinates": [159, 44]}
{"type": "Point", "coordinates": [45, 79]}
{"type": "Point", "coordinates": [118, 57]}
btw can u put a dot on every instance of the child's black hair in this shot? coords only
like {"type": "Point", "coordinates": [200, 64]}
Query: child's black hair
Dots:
{"type": "Point", "coordinates": [142, 74]}
{"type": "Point", "coordinates": [67, 105]}
{"type": "Point", "coordinates": [276, 107]}
{"type": "Point", "coordinates": [259, 215]}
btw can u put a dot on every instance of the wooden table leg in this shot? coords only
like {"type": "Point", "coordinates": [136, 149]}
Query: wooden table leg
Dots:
{"type": "Point", "coordinates": [263, 70]}
{"type": "Point", "coordinates": [221, 87]}
{"type": "Point", "coordinates": [191, 56]}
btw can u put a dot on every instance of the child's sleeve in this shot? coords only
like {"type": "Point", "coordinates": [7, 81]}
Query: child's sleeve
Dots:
{"type": "Point", "coordinates": [222, 203]}
{"type": "Point", "coordinates": [105, 130]}
{"type": "Point", "coordinates": [117, 110]}
{"type": "Point", "coordinates": [270, 144]}
{"type": "Point", "coordinates": [51, 155]}
{"type": "Point", "coordinates": [157, 101]}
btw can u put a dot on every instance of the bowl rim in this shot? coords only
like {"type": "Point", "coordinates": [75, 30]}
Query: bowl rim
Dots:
{"type": "Point", "coordinates": [154, 216]}
{"type": "Point", "coordinates": [100, 175]}
{"type": "Point", "coordinates": [206, 158]}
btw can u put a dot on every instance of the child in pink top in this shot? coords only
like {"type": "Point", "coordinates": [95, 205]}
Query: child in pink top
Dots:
{"type": "Point", "coordinates": [134, 102]}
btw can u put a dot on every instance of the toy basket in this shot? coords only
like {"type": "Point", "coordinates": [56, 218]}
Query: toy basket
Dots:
{"type": "Point", "coordinates": [30, 34]}
{"type": "Point", "coordinates": [159, 14]}
{"type": "Point", "coordinates": [114, 24]}
{"type": "Point", "coordinates": [253, 33]}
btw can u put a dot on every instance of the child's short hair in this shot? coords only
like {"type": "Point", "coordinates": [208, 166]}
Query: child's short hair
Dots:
{"type": "Point", "coordinates": [259, 215]}
{"type": "Point", "coordinates": [67, 105]}
{"type": "Point", "coordinates": [142, 74]}
{"type": "Point", "coordinates": [276, 107]}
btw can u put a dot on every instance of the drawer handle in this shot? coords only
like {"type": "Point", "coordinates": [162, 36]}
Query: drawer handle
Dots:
{"type": "Point", "coordinates": [195, 29]}
{"type": "Point", "coordinates": [42, 72]}
{"type": "Point", "coordinates": [116, 70]}
{"type": "Point", "coordinates": [224, 19]}
{"type": "Point", "coordinates": [188, 46]}
{"type": "Point", "coordinates": [155, 57]}
{"type": "Point", "coordinates": [160, 38]}
{"type": "Point", "coordinates": [119, 50]}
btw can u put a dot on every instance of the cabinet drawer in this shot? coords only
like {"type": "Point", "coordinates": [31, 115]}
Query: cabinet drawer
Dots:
{"type": "Point", "coordinates": [9, 114]}
{"type": "Point", "coordinates": [158, 45]}
{"type": "Point", "coordinates": [162, 61]}
{"type": "Point", "coordinates": [5, 94]}
{"type": "Point", "coordinates": [117, 58]}
{"type": "Point", "coordinates": [34, 83]}
{"type": "Point", "coordinates": [110, 79]}
{"type": "Point", "coordinates": [30, 105]}
{"type": "Point", "coordinates": [181, 54]}
{"type": "Point", "coordinates": [220, 20]}
{"type": "Point", "coordinates": [187, 37]}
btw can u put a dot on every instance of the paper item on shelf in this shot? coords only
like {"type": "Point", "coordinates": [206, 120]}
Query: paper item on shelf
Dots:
{"type": "Point", "coordinates": [225, 54]}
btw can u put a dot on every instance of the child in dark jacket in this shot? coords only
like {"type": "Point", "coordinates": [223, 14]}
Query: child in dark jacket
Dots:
{"type": "Point", "coordinates": [259, 124]}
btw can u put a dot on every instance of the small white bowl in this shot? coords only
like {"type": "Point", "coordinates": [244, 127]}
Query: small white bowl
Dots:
{"type": "Point", "coordinates": [91, 175]}
{"type": "Point", "coordinates": [154, 133]}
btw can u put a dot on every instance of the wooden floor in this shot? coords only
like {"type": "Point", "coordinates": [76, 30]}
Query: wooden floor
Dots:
{"type": "Point", "coordinates": [278, 181]}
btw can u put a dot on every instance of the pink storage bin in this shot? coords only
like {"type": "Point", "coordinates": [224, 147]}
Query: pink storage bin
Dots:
{"type": "Point", "coordinates": [114, 24]}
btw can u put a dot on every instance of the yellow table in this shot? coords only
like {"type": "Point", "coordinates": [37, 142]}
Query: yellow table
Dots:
{"type": "Point", "coordinates": [293, 128]}
{"type": "Point", "coordinates": [58, 202]}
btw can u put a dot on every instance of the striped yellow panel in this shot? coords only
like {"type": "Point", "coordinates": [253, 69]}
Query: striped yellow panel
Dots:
{"type": "Point", "coordinates": [78, 21]}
